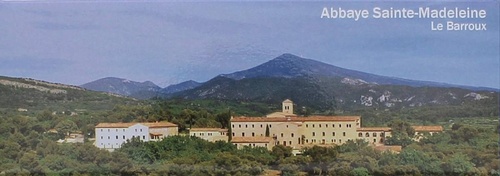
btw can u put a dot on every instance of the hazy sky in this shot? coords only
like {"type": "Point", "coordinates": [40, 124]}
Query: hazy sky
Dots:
{"type": "Point", "coordinates": [170, 42]}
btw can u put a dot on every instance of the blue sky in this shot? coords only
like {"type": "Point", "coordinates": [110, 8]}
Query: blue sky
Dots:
{"type": "Point", "coordinates": [170, 42]}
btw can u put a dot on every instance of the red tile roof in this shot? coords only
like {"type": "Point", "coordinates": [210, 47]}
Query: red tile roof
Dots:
{"type": "Point", "coordinates": [297, 119]}
{"type": "Point", "coordinates": [208, 129]}
{"type": "Point", "coordinates": [126, 125]}
{"type": "Point", "coordinates": [374, 129]}
{"type": "Point", "coordinates": [428, 128]}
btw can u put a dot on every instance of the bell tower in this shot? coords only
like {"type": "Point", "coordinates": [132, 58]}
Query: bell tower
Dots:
{"type": "Point", "coordinates": [287, 106]}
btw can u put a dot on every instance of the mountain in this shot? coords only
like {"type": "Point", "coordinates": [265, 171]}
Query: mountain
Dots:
{"type": "Point", "coordinates": [139, 90]}
{"type": "Point", "coordinates": [32, 95]}
{"type": "Point", "coordinates": [326, 87]}
{"type": "Point", "coordinates": [290, 66]}
{"type": "Point", "coordinates": [180, 87]}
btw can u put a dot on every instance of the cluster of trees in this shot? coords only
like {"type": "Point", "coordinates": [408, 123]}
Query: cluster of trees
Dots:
{"type": "Point", "coordinates": [28, 146]}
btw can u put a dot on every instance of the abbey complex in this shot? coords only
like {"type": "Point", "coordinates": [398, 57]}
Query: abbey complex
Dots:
{"type": "Point", "coordinates": [278, 128]}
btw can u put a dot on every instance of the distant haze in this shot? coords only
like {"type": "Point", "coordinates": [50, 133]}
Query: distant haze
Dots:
{"type": "Point", "coordinates": [171, 42]}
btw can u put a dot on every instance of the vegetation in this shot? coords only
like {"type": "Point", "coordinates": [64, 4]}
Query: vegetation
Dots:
{"type": "Point", "coordinates": [469, 145]}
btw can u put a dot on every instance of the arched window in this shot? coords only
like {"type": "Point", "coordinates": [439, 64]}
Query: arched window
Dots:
{"type": "Point", "coordinates": [360, 134]}
{"type": "Point", "coordinates": [367, 135]}
{"type": "Point", "coordinates": [374, 134]}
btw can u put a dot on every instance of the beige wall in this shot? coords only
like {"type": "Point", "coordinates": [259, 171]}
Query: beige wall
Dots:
{"type": "Point", "coordinates": [334, 132]}
{"type": "Point", "coordinates": [268, 145]}
{"type": "Point", "coordinates": [314, 132]}
{"type": "Point", "coordinates": [211, 136]}
{"type": "Point", "coordinates": [287, 133]}
{"type": "Point", "coordinates": [165, 131]}
{"type": "Point", "coordinates": [373, 137]}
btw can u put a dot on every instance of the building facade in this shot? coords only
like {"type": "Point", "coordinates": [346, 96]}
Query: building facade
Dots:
{"type": "Point", "coordinates": [210, 134]}
{"type": "Point", "coordinates": [288, 129]}
{"type": "Point", "coordinates": [112, 135]}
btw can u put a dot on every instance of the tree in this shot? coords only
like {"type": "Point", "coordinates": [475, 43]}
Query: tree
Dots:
{"type": "Point", "coordinates": [267, 131]}
{"type": "Point", "coordinates": [321, 157]}
{"type": "Point", "coordinates": [458, 164]}
{"type": "Point", "coordinates": [399, 126]}
{"type": "Point", "coordinates": [280, 152]}
{"type": "Point", "coordinates": [224, 119]}
{"type": "Point", "coordinates": [65, 127]}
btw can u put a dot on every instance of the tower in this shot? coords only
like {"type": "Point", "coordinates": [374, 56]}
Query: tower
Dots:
{"type": "Point", "coordinates": [287, 106]}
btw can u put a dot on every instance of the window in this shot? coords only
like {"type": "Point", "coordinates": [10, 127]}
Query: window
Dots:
{"type": "Point", "coordinates": [326, 125]}
{"type": "Point", "coordinates": [374, 140]}
{"type": "Point", "coordinates": [265, 145]}
{"type": "Point", "coordinates": [253, 134]}
{"type": "Point", "coordinates": [292, 134]}
{"type": "Point", "coordinates": [243, 134]}
{"type": "Point", "coordinates": [116, 130]}
{"type": "Point", "coordinates": [307, 140]}
{"type": "Point", "coordinates": [141, 130]}
{"type": "Point", "coordinates": [320, 125]}
{"type": "Point", "coordinates": [101, 137]}
{"type": "Point", "coordinates": [143, 137]}
{"type": "Point", "coordinates": [108, 137]}
{"type": "Point", "coordinates": [290, 142]}
{"type": "Point", "coordinates": [340, 125]}
{"type": "Point", "coordinates": [233, 126]}
{"type": "Point", "coordinates": [360, 134]}
{"type": "Point", "coordinates": [281, 134]}
{"type": "Point", "coordinates": [108, 130]}
{"type": "Point", "coordinates": [314, 134]}
{"type": "Point", "coordinates": [261, 125]}
{"type": "Point", "coordinates": [340, 140]}
{"type": "Point", "coordinates": [343, 133]}
{"type": "Point", "coordinates": [313, 125]}
{"type": "Point", "coordinates": [333, 125]}
{"type": "Point", "coordinates": [374, 134]}
{"type": "Point", "coordinates": [333, 133]}
{"type": "Point", "coordinates": [135, 130]}
{"type": "Point", "coordinates": [233, 134]}
{"type": "Point", "coordinates": [269, 126]}
{"type": "Point", "coordinates": [246, 126]}
{"type": "Point", "coordinates": [253, 126]}
{"type": "Point", "coordinates": [307, 125]}
{"type": "Point", "coordinates": [117, 137]}
{"type": "Point", "coordinates": [323, 133]}
{"type": "Point", "coordinates": [123, 136]}
{"type": "Point", "coordinates": [239, 126]}
{"type": "Point", "coordinates": [101, 130]}
{"type": "Point", "coordinates": [287, 126]}
{"type": "Point", "coordinates": [367, 134]}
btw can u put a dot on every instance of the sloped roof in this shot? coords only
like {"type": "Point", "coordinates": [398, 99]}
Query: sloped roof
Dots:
{"type": "Point", "coordinates": [114, 125]}
{"type": "Point", "coordinates": [428, 128]}
{"type": "Point", "coordinates": [297, 119]}
{"type": "Point", "coordinates": [257, 139]}
{"type": "Point", "coordinates": [208, 129]}
{"type": "Point", "coordinates": [280, 115]}
{"type": "Point", "coordinates": [374, 129]}
{"type": "Point", "coordinates": [126, 125]}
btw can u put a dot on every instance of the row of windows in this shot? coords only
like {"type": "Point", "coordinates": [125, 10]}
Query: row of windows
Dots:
{"type": "Point", "coordinates": [143, 137]}
{"type": "Point", "coordinates": [326, 125]}
{"type": "Point", "coordinates": [203, 134]}
{"type": "Point", "coordinates": [122, 130]}
{"type": "Point", "coordinates": [323, 141]}
{"type": "Point", "coordinates": [368, 135]}
{"type": "Point", "coordinates": [253, 126]}
{"type": "Point", "coordinates": [250, 145]}
{"type": "Point", "coordinates": [109, 144]}
{"type": "Point", "coordinates": [324, 134]}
